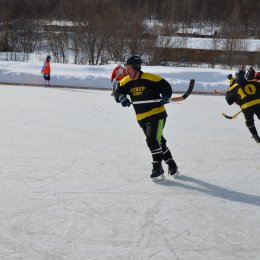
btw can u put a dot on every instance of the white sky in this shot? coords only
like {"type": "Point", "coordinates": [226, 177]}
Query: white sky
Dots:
{"type": "Point", "coordinates": [74, 173]}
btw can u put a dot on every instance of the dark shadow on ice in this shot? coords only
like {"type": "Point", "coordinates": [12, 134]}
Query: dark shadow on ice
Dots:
{"type": "Point", "coordinates": [213, 190]}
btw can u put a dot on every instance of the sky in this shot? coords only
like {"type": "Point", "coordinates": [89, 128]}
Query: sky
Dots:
{"type": "Point", "coordinates": [74, 172]}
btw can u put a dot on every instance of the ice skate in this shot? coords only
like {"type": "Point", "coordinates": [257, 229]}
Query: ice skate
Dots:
{"type": "Point", "coordinates": [257, 138]}
{"type": "Point", "coordinates": [157, 172]}
{"type": "Point", "coordinates": [173, 168]}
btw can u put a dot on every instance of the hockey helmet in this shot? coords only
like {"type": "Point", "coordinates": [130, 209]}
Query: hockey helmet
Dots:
{"type": "Point", "coordinates": [229, 76]}
{"type": "Point", "coordinates": [240, 74]}
{"type": "Point", "coordinates": [134, 61]}
{"type": "Point", "coordinates": [240, 77]}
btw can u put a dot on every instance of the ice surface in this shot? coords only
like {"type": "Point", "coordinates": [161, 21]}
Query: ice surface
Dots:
{"type": "Point", "coordinates": [74, 180]}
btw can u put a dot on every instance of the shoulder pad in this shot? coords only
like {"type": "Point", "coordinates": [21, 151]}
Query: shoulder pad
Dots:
{"type": "Point", "coordinates": [151, 77]}
{"type": "Point", "coordinates": [232, 87]}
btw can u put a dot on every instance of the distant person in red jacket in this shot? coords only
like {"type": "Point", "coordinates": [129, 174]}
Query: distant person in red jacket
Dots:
{"type": "Point", "coordinates": [118, 73]}
{"type": "Point", "coordinates": [46, 71]}
{"type": "Point", "coordinates": [257, 76]}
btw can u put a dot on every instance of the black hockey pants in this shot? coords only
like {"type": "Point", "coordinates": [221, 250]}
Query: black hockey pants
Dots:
{"type": "Point", "coordinates": [153, 131]}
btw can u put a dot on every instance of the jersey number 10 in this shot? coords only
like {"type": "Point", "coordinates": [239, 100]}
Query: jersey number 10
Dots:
{"type": "Point", "coordinates": [249, 89]}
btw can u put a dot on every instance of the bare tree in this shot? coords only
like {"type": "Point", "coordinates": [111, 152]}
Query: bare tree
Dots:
{"type": "Point", "coordinates": [96, 22]}
{"type": "Point", "coordinates": [111, 29]}
{"type": "Point", "coordinates": [77, 44]}
{"type": "Point", "coordinates": [57, 42]}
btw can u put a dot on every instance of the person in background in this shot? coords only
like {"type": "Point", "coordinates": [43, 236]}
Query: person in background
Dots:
{"type": "Point", "coordinates": [142, 86]}
{"type": "Point", "coordinates": [118, 73]}
{"type": "Point", "coordinates": [242, 70]}
{"type": "Point", "coordinates": [232, 81]}
{"type": "Point", "coordinates": [46, 71]}
{"type": "Point", "coordinates": [257, 76]}
{"type": "Point", "coordinates": [250, 75]}
{"type": "Point", "coordinates": [247, 95]}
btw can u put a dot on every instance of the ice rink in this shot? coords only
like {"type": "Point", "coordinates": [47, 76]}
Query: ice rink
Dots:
{"type": "Point", "coordinates": [74, 180]}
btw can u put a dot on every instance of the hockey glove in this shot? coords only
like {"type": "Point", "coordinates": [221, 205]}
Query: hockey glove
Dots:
{"type": "Point", "coordinates": [124, 101]}
{"type": "Point", "coordinates": [164, 101]}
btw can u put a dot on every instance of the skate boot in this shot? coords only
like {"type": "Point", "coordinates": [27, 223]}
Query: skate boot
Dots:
{"type": "Point", "coordinates": [257, 138]}
{"type": "Point", "coordinates": [157, 172]}
{"type": "Point", "coordinates": [173, 168]}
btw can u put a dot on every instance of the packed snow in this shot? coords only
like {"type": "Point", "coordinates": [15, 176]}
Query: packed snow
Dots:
{"type": "Point", "coordinates": [207, 80]}
{"type": "Point", "coordinates": [74, 171]}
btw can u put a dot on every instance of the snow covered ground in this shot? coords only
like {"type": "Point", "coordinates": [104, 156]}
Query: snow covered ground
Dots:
{"type": "Point", "coordinates": [207, 80]}
{"type": "Point", "coordinates": [74, 178]}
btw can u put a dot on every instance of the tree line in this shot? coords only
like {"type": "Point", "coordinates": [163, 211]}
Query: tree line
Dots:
{"type": "Point", "coordinates": [243, 13]}
{"type": "Point", "coordinates": [102, 30]}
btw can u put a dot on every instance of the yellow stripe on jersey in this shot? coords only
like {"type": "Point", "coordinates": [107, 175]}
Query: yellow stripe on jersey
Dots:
{"type": "Point", "coordinates": [152, 112]}
{"type": "Point", "coordinates": [145, 75]}
{"type": "Point", "coordinates": [232, 87]}
{"type": "Point", "coordinates": [251, 103]}
{"type": "Point", "coordinates": [124, 80]}
{"type": "Point", "coordinates": [151, 77]}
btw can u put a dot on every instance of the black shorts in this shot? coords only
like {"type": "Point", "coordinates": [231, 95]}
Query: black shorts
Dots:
{"type": "Point", "coordinates": [47, 76]}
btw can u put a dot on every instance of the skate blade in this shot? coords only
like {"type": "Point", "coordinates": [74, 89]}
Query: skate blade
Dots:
{"type": "Point", "coordinates": [159, 178]}
{"type": "Point", "coordinates": [176, 174]}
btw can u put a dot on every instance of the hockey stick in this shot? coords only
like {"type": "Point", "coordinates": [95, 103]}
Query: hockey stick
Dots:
{"type": "Point", "coordinates": [219, 92]}
{"type": "Point", "coordinates": [174, 99]}
{"type": "Point", "coordinates": [232, 117]}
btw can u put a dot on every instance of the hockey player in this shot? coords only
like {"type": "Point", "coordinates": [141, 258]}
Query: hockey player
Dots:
{"type": "Point", "coordinates": [232, 81]}
{"type": "Point", "coordinates": [257, 76]}
{"type": "Point", "coordinates": [46, 71]}
{"type": "Point", "coordinates": [141, 86]}
{"type": "Point", "coordinates": [247, 96]}
{"type": "Point", "coordinates": [118, 73]}
{"type": "Point", "coordinates": [242, 70]}
{"type": "Point", "coordinates": [250, 75]}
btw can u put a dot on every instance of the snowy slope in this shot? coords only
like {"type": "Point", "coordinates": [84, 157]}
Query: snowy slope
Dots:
{"type": "Point", "coordinates": [207, 80]}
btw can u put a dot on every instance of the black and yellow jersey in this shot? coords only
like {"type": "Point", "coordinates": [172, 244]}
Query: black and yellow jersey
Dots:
{"type": "Point", "coordinates": [246, 96]}
{"type": "Point", "coordinates": [148, 86]}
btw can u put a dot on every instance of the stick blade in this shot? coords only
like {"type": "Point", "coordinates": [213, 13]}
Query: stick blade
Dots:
{"type": "Point", "coordinates": [226, 116]}
{"type": "Point", "coordinates": [231, 117]}
{"type": "Point", "coordinates": [186, 94]}
{"type": "Point", "coordinates": [191, 86]}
